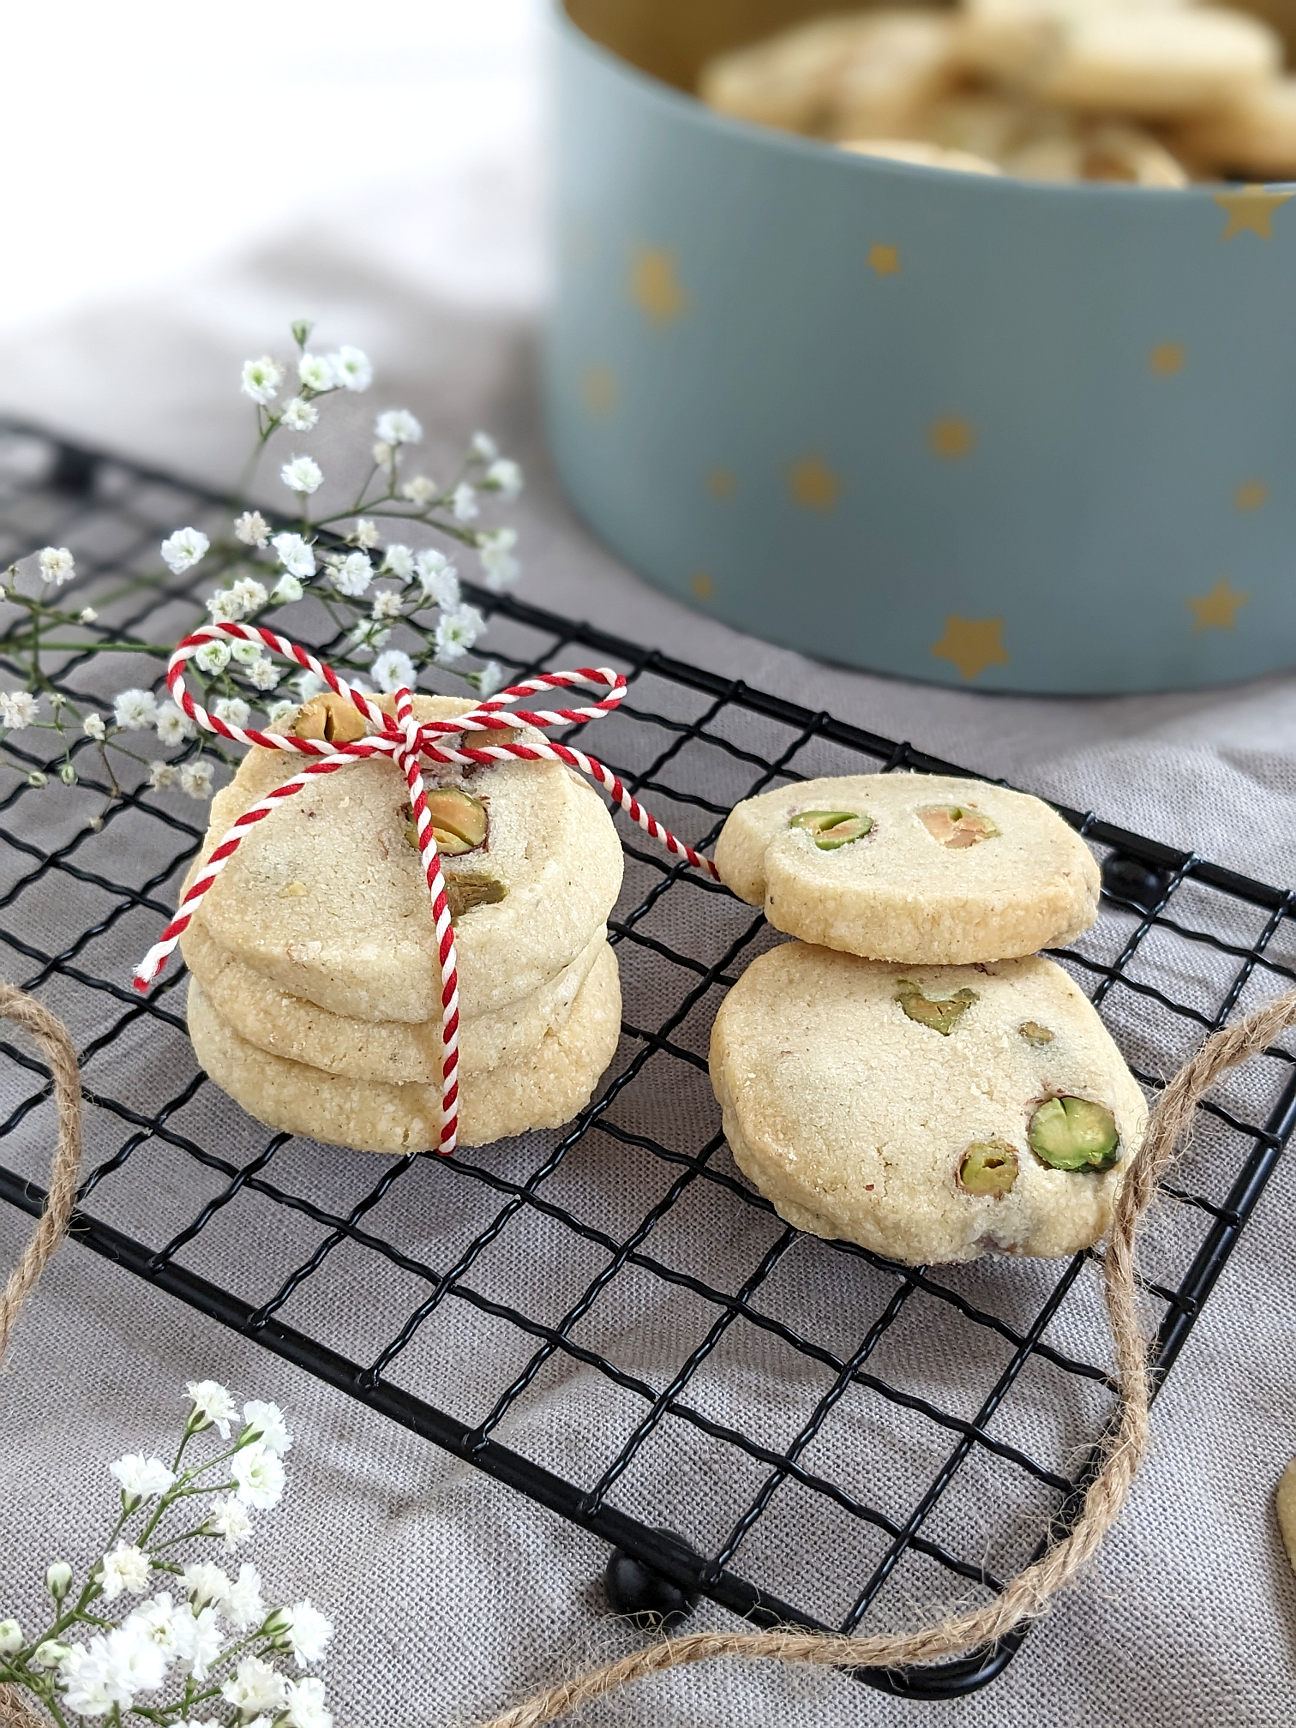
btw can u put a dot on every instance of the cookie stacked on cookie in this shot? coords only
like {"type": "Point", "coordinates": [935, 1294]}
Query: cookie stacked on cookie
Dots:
{"type": "Point", "coordinates": [315, 999]}
{"type": "Point", "coordinates": [910, 1074]}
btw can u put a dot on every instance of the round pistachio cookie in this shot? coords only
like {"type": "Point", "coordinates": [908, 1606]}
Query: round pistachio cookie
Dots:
{"type": "Point", "coordinates": [921, 868]}
{"type": "Point", "coordinates": [1285, 1504]}
{"type": "Point", "coordinates": [927, 1113]}
{"type": "Point", "coordinates": [327, 897]}
{"type": "Point", "coordinates": [391, 1050]}
{"type": "Point", "coordinates": [544, 1090]}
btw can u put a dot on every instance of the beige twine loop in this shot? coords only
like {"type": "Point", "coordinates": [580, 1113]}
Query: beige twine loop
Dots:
{"type": "Point", "coordinates": [1027, 1595]}
{"type": "Point", "coordinates": [56, 1045]}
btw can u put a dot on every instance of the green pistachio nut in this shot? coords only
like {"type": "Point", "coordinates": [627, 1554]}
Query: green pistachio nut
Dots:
{"type": "Point", "coordinates": [1074, 1134]}
{"type": "Point", "coordinates": [466, 893]}
{"type": "Point", "coordinates": [1035, 1034]}
{"type": "Point", "coordinates": [955, 826]}
{"type": "Point", "coordinates": [831, 829]}
{"type": "Point", "coordinates": [942, 1013]}
{"type": "Point", "coordinates": [988, 1167]}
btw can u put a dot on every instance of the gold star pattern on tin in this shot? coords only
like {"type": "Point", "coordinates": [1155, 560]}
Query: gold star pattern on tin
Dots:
{"type": "Point", "coordinates": [884, 260]}
{"type": "Point", "coordinates": [1251, 495]}
{"type": "Point", "coordinates": [722, 483]}
{"type": "Point", "coordinates": [1166, 359]}
{"type": "Point", "coordinates": [1251, 210]}
{"type": "Point", "coordinates": [600, 391]}
{"type": "Point", "coordinates": [971, 644]}
{"type": "Point", "coordinates": [701, 586]}
{"type": "Point", "coordinates": [655, 286]}
{"type": "Point", "coordinates": [1217, 610]}
{"type": "Point", "coordinates": [813, 484]}
{"type": "Point", "coordinates": [951, 437]}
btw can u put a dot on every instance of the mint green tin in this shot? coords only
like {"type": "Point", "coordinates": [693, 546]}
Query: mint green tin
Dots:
{"type": "Point", "coordinates": [966, 430]}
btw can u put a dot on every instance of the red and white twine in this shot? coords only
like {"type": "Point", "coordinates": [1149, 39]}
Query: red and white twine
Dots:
{"type": "Point", "coordinates": [408, 742]}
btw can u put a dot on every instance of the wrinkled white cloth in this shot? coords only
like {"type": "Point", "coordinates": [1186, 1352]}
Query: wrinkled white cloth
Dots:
{"type": "Point", "coordinates": [452, 1595]}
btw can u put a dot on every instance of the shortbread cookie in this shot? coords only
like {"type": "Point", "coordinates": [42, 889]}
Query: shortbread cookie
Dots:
{"type": "Point", "coordinates": [1120, 154]}
{"type": "Point", "coordinates": [1254, 135]}
{"type": "Point", "coordinates": [544, 1091]}
{"type": "Point", "coordinates": [1157, 65]}
{"type": "Point", "coordinates": [928, 1113]}
{"type": "Point", "coordinates": [1014, 40]}
{"type": "Point", "coordinates": [786, 80]}
{"type": "Point", "coordinates": [920, 154]}
{"type": "Point", "coordinates": [1285, 1504]}
{"type": "Point", "coordinates": [393, 1050]}
{"type": "Point", "coordinates": [901, 62]}
{"type": "Point", "coordinates": [912, 867]}
{"type": "Point", "coordinates": [327, 899]}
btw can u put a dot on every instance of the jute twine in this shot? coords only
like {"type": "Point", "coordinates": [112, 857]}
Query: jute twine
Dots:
{"type": "Point", "coordinates": [1024, 1598]}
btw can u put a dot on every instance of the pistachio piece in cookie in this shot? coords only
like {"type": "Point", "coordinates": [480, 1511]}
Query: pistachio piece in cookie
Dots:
{"type": "Point", "coordinates": [1035, 1034]}
{"type": "Point", "coordinates": [330, 717]}
{"type": "Point", "coordinates": [459, 821]}
{"type": "Point", "coordinates": [858, 1125]}
{"type": "Point", "coordinates": [941, 1013]}
{"type": "Point", "coordinates": [949, 872]}
{"type": "Point", "coordinates": [1074, 1134]}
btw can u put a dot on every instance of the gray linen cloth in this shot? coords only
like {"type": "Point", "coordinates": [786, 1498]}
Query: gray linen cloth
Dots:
{"type": "Point", "coordinates": [454, 1596]}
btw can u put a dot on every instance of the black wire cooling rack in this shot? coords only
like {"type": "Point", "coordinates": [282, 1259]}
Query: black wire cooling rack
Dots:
{"type": "Point", "coordinates": [609, 1318]}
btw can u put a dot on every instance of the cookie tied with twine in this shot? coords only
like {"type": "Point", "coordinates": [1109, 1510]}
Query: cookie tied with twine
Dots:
{"type": "Point", "coordinates": [409, 743]}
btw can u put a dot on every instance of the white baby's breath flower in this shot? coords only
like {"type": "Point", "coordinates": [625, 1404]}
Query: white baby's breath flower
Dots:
{"type": "Point", "coordinates": [132, 1663]}
{"type": "Point", "coordinates": [255, 1687]}
{"type": "Point", "coordinates": [352, 575]}
{"type": "Point", "coordinates": [393, 670]}
{"type": "Point", "coordinates": [125, 1569]}
{"type": "Point", "coordinates": [229, 1518]}
{"type": "Point", "coordinates": [223, 606]}
{"type": "Point", "coordinates": [205, 1585]}
{"type": "Point", "coordinates": [259, 1477]}
{"type": "Point", "coordinates": [250, 593]}
{"type": "Point", "coordinates": [233, 710]}
{"type": "Point", "coordinates": [252, 528]}
{"type": "Point", "coordinates": [197, 1639]}
{"type": "Point", "coordinates": [495, 548]}
{"type": "Point", "coordinates": [351, 368]}
{"type": "Point", "coordinates": [11, 1637]}
{"type": "Point", "coordinates": [163, 775]}
{"type": "Point", "coordinates": [57, 565]}
{"type": "Point", "coordinates": [366, 637]}
{"type": "Point", "coordinates": [303, 475]}
{"type": "Point", "coordinates": [156, 1620]}
{"type": "Point", "coordinates": [135, 709]}
{"type": "Point", "coordinates": [83, 1674]}
{"type": "Point", "coordinates": [50, 1653]}
{"type": "Point", "coordinates": [266, 1421]}
{"type": "Point", "coordinates": [87, 615]}
{"type": "Point", "coordinates": [18, 708]}
{"type": "Point", "coordinates": [484, 445]}
{"type": "Point", "coordinates": [196, 779]}
{"type": "Point", "coordinates": [58, 1577]}
{"type": "Point", "coordinates": [438, 578]}
{"type": "Point", "coordinates": [93, 727]}
{"type": "Point", "coordinates": [286, 590]}
{"type": "Point", "coordinates": [182, 550]}
{"type": "Point", "coordinates": [387, 603]}
{"type": "Point", "coordinates": [212, 657]}
{"type": "Point", "coordinates": [245, 651]}
{"type": "Point", "coordinates": [243, 1606]}
{"type": "Point", "coordinates": [278, 711]}
{"type": "Point", "coordinates": [261, 379]}
{"type": "Point", "coordinates": [420, 491]}
{"type": "Point", "coordinates": [212, 1405]}
{"type": "Point", "coordinates": [382, 453]}
{"type": "Point", "coordinates": [295, 554]}
{"type": "Point", "coordinates": [398, 561]}
{"type": "Point", "coordinates": [173, 724]}
{"type": "Point", "coordinates": [456, 632]}
{"type": "Point", "coordinates": [262, 674]}
{"type": "Point", "coordinates": [299, 415]}
{"type": "Point", "coordinates": [364, 533]}
{"type": "Point", "coordinates": [305, 1632]}
{"type": "Point", "coordinates": [463, 505]}
{"type": "Point", "coordinates": [504, 477]}
{"type": "Point", "coordinates": [398, 426]}
{"type": "Point", "coordinates": [141, 1477]}
{"type": "Point", "coordinates": [306, 1707]}
{"type": "Point", "coordinates": [489, 680]}
{"type": "Point", "coordinates": [317, 373]}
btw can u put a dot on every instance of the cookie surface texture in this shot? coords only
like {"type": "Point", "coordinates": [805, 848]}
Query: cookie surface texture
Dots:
{"type": "Point", "coordinates": [912, 1136]}
{"type": "Point", "coordinates": [327, 899]}
{"type": "Point", "coordinates": [391, 1050]}
{"type": "Point", "coordinates": [949, 871]}
{"type": "Point", "coordinates": [545, 1090]}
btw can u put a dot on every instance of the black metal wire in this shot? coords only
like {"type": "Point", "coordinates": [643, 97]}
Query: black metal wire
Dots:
{"type": "Point", "coordinates": [676, 728]}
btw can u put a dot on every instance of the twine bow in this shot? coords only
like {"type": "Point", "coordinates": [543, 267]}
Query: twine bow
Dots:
{"type": "Point", "coordinates": [408, 743]}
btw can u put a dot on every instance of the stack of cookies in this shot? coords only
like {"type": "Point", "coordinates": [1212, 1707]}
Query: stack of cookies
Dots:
{"type": "Point", "coordinates": [910, 1074]}
{"type": "Point", "coordinates": [1153, 92]}
{"type": "Point", "coordinates": [315, 997]}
